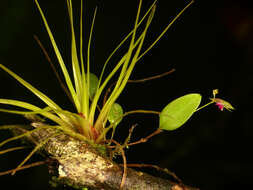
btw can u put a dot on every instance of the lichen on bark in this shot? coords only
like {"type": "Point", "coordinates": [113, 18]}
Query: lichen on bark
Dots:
{"type": "Point", "coordinates": [81, 164]}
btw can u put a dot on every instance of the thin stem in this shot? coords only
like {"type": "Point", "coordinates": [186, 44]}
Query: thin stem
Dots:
{"type": "Point", "coordinates": [11, 149]}
{"type": "Point", "coordinates": [137, 81]}
{"type": "Point", "coordinates": [23, 167]}
{"type": "Point", "coordinates": [37, 147]}
{"type": "Point", "coordinates": [105, 130]}
{"type": "Point", "coordinates": [204, 106]}
{"type": "Point", "coordinates": [54, 68]}
{"type": "Point", "coordinates": [129, 135]}
{"type": "Point", "coordinates": [142, 111]}
{"type": "Point", "coordinates": [123, 181]}
{"type": "Point", "coordinates": [143, 140]}
{"type": "Point", "coordinates": [152, 77]}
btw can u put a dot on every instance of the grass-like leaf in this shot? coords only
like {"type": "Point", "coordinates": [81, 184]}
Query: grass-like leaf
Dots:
{"type": "Point", "coordinates": [11, 149]}
{"type": "Point", "coordinates": [60, 59]}
{"type": "Point", "coordinates": [34, 108]}
{"type": "Point", "coordinates": [22, 135]}
{"type": "Point", "coordinates": [126, 68]}
{"type": "Point", "coordinates": [86, 89]}
{"type": "Point", "coordinates": [39, 94]}
{"type": "Point", "coordinates": [75, 62]}
{"type": "Point", "coordinates": [36, 148]}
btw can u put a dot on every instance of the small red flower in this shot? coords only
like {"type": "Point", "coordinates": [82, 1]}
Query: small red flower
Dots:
{"type": "Point", "coordinates": [222, 104]}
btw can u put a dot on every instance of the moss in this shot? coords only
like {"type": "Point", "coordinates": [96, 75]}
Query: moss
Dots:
{"type": "Point", "coordinates": [102, 149]}
{"type": "Point", "coordinates": [56, 182]}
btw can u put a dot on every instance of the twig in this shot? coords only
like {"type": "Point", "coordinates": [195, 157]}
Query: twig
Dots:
{"type": "Point", "coordinates": [153, 77]}
{"type": "Point", "coordinates": [23, 167]}
{"type": "Point", "coordinates": [123, 181]}
{"type": "Point", "coordinates": [137, 81]}
{"type": "Point", "coordinates": [143, 140]}
{"type": "Point", "coordinates": [53, 67]}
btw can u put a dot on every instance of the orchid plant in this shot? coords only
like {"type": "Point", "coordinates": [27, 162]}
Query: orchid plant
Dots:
{"type": "Point", "coordinates": [92, 122]}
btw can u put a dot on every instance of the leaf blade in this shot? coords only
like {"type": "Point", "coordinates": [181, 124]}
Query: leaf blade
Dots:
{"type": "Point", "coordinates": [177, 112]}
{"type": "Point", "coordinates": [35, 91]}
{"type": "Point", "coordinates": [115, 115]}
{"type": "Point", "coordinates": [33, 108]}
{"type": "Point", "coordinates": [59, 57]}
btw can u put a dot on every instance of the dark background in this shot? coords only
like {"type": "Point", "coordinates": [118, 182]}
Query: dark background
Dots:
{"type": "Point", "coordinates": [210, 47]}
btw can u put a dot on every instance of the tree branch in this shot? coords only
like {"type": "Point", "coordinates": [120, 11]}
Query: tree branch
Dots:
{"type": "Point", "coordinates": [81, 165]}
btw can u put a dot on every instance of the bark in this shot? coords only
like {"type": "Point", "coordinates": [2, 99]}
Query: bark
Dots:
{"type": "Point", "coordinates": [83, 165]}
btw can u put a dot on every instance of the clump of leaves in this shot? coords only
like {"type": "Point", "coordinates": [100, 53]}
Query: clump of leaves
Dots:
{"type": "Point", "coordinates": [93, 122]}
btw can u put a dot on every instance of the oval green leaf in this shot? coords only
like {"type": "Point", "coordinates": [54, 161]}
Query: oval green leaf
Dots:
{"type": "Point", "coordinates": [115, 114]}
{"type": "Point", "coordinates": [177, 112]}
{"type": "Point", "coordinates": [93, 85]}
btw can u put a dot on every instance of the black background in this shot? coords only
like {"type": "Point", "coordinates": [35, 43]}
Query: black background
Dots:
{"type": "Point", "coordinates": [210, 47]}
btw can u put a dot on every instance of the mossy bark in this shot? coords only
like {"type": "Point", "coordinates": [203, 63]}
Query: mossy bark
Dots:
{"type": "Point", "coordinates": [81, 165]}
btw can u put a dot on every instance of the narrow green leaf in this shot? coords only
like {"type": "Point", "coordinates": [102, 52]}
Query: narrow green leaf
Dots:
{"type": "Point", "coordinates": [88, 54]}
{"type": "Point", "coordinates": [84, 93]}
{"type": "Point", "coordinates": [22, 135]}
{"type": "Point", "coordinates": [126, 68]}
{"type": "Point", "coordinates": [31, 107]}
{"type": "Point", "coordinates": [39, 94]}
{"type": "Point", "coordinates": [166, 29]}
{"type": "Point", "coordinates": [177, 112]}
{"type": "Point", "coordinates": [117, 67]}
{"type": "Point", "coordinates": [11, 149]}
{"type": "Point", "coordinates": [36, 148]}
{"type": "Point", "coordinates": [60, 59]}
{"type": "Point", "coordinates": [25, 112]}
{"type": "Point", "coordinates": [75, 62]}
{"type": "Point", "coordinates": [123, 41]}
{"type": "Point", "coordinates": [101, 88]}
{"type": "Point", "coordinates": [11, 127]}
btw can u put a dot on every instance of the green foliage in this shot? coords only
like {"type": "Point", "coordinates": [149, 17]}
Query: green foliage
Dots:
{"type": "Point", "coordinates": [90, 121]}
{"type": "Point", "coordinates": [177, 112]}
{"type": "Point", "coordinates": [60, 183]}
{"type": "Point", "coordinates": [84, 88]}
{"type": "Point", "coordinates": [93, 85]}
{"type": "Point", "coordinates": [115, 115]}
